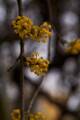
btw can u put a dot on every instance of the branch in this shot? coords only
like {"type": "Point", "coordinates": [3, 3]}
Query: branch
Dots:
{"type": "Point", "coordinates": [14, 65]}
{"type": "Point", "coordinates": [53, 100]}
{"type": "Point", "coordinates": [34, 97]}
{"type": "Point", "coordinates": [22, 78]}
{"type": "Point", "coordinates": [50, 20]}
{"type": "Point", "coordinates": [19, 2]}
{"type": "Point", "coordinates": [20, 9]}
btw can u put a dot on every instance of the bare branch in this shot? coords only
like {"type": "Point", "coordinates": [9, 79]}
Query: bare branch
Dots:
{"type": "Point", "coordinates": [20, 12]}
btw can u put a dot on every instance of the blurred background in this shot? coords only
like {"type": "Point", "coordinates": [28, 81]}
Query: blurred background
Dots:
{"type": "Point", "coordinates": [59, 97]}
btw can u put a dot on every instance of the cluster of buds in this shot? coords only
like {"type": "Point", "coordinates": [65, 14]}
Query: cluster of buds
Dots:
{"type": "Point", "coordinates": [16, 114]}
{"type": "Point", "coordinates": [41, 33]}
{"type": "Point", "coordinates": [37, 116]}
{"type": "Point", "coordinates": [74, 47]}
{"type": "Point", "coordinates": [23, 26]}
{"type": "Point", "coordinates": [37, 64]}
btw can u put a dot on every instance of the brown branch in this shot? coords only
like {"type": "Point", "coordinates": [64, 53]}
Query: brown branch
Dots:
{"type": "Point", "coordinates": [22, 78]}
{"type": "Point", "coordinates": [34, 97]}
{"type": "Point", "coordinates": [53, 100]}
{"type": "Point", "coordinates": [19, 2]}
{"type": "Point", "coordinates": [50, 14]}
{"type": "Point", "coordinates": [42, 92]}
{"type": "Point", "coordinates": [20, 9]}
{"type": "Point", "coordinates": [14, 65]}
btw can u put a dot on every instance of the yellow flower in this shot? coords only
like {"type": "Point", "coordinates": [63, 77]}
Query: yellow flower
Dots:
{"type": "Point", "coordinates": [45, 31]}
{"type": "Point", "coordinates": [37, 116]}
{"type": "Point", "coordinates": [22, 26]}
{"type": "Point", "coordinates": [37, 64]}
{"type": "Point", "coordinates": [74, 47]}
{"type": "Point", "coordinates": [34, 32]}
{"type": "Point", "coordinates": [41, 33]}
{"type": "Point", "coordinates": [15, 115]}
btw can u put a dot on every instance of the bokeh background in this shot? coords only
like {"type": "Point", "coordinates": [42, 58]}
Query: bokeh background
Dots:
{"type": "Point", "coordinates": [59, 97]}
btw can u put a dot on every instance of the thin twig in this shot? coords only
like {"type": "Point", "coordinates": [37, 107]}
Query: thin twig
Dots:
{"type": "Point", "coordinates": [14, 65]}
{"type": "Point", "coordinates": [22, 79]}
{"type": "Point", "coordinates": [50, 15]}
{"type": "Point", "coordinates": [34, 97]}
{"type": "Point", "coordinates": [53, 100]}
{"type": "Point", "coordinates": [20, 8]}
{"type": "Point", "coordinates": [20, 11]}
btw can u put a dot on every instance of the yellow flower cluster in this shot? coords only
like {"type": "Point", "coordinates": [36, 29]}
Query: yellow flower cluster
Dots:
{"type": "Point", "coordinates": [24, 27]}
{"type": "Point", "coordinates": [37, 116]}
{"type": "Point", "coordinates": [41, 33]}
{"type": "Point", "coordinates": [16, 115]}
{"type": "Point", "coordinates": [74, 47]}
{"type": "Point", "coordinates": [37, 64]}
